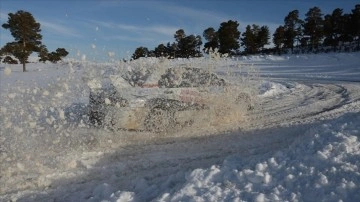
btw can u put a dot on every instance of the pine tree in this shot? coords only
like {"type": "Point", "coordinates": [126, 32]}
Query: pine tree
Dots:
{"type": "Point", "coordinates": [229, 36]}
{"type": "Point", "coordinates": [179, 34]}
{"type": "Point", "coordinates": [9, 60]}
{"type": "Point", "coordinates": [279, 38]}
{"type": "Point", "coordinates": [346, 27]}
{"type": "Point", "coordinates": [161, 51]}
{"type": "Point", "coordinates": [255, 38]}
{"type": "Point", "coordinates": [333, 28]}
{"type": "Point", "coordinates": [355, 24]}
{"type": "Point", "coordinates": [57, 55]}
{"type": "Point", "coordinates": [292, 29]}
{"type": "Point", "coordinates": [249, 39]}
{"type": "Point", "coordinates": [16, 49]}
{"type": "Point", "coordinates": [140, 52]}
{"type": "Point", "coordinates": [187, 46]}
{"type": "Point", "coordinates": [172, 49]}
{"type": "Point", "coordinates": [313, 26]}
{"type": "Point", "coordinates": [212, 38]}
{"type": "Point", "coordinates": [198, 46]}
{"type": "Point", "coordinates": [43, 54]}
{"type": "Point", "coordinates": [26, 32]}
{"type": "Point", "coordinates": [263, 37]}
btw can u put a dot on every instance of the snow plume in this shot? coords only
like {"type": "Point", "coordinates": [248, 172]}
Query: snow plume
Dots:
{"type": "Point", "coordinates": [44, 117]}
{"type": "Point", "coordinates": [40, 112]}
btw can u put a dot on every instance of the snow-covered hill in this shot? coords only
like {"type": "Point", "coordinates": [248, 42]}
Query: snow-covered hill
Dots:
{"type": "Point", "coordinates": [300, 143]}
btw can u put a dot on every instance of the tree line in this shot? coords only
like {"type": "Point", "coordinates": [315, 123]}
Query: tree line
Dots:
{"type": "Point", "coordinates": [26, 32]}
{"type": "Point", "coordinates": [186, 46]}
{"type": "Point", "coordinates": [315, 33]}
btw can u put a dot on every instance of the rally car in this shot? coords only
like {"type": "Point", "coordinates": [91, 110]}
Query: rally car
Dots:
{"type": "Point", "coordinates": [162, 99]}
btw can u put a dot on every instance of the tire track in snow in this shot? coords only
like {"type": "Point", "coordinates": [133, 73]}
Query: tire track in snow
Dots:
{"type": "Point", "coordinates": [305, 103]}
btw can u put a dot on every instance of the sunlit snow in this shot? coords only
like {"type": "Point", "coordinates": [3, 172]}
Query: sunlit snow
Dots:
{"type": "Point", "coordinates": [299, 143]}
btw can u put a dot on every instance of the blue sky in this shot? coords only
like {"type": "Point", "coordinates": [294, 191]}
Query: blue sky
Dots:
{"type": "Point", "coordinates": [96, 27]}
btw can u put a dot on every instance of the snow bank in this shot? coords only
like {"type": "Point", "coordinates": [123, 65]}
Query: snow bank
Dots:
{"type": "Point", "coordinates": [322, 165]}
{"type": "Point", "coordinates": [269, 89]}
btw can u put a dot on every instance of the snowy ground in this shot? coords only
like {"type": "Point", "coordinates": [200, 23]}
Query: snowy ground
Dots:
{"type": "Point", "coordinates": [300, 143]}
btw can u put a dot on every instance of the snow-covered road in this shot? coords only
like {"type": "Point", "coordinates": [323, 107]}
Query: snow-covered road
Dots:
{"type": "Point", "coordinates": [304, 102]}
{"type": "Point", "coordinates": [306, 116]}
